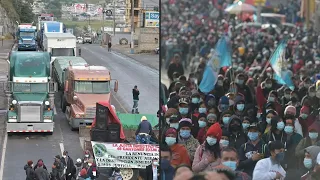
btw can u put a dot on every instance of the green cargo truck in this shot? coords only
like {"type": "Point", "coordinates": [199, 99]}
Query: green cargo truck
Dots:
{"type": "Point", "coordinates": [30, 93]}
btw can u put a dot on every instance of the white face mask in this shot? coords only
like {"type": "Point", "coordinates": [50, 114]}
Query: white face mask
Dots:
{"type": "Point", "coordinates": [64, 156]}
{"type": "Point", "coordinates": [155, 163]}
{"type": "Point", "coordinates": [89, 164]}
{"type": "Point", "coordinates": [87, 155]}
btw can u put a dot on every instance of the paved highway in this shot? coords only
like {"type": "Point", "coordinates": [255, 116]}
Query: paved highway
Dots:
{"type": "Point", "coordinates": [19, 148]}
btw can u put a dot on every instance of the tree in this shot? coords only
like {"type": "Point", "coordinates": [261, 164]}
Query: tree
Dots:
{"type": "Point", "coordinates": [24, 10]}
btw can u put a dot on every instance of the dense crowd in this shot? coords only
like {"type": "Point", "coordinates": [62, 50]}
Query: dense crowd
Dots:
{"type": "Point", "coordinates": [250, 126]}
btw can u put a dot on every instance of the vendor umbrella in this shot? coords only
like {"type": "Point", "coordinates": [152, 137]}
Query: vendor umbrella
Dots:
{"type": "Point", "coordinates": [240, 7]}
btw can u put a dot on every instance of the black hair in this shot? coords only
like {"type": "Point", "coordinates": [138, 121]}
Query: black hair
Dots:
{"type": "Point", "coordinates": [215, 149]}
{"type": "Point", "coordinates": [274, 121]}
{"type": "Point", "coordinates": [273, 145]}
{"type": "Point", "coordinates": [229, 149]}
{"type": "Point", "coordinates": [165, 148]}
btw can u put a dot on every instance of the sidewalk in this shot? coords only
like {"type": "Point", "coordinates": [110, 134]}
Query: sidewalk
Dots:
{"type": "Point", "coordinates": [151, 60]}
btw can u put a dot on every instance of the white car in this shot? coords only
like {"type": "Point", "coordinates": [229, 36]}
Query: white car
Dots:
{"type": "Point", "coordinates": [79, 40]}
{"type": "Point", "coordinates": [157, 50]}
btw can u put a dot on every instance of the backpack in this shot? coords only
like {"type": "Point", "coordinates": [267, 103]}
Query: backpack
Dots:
{"type": "Point", "coordinates": [263, 148]}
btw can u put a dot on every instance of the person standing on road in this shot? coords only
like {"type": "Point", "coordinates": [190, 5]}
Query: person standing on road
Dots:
{"type": "Point", "coordinates": [37, 165]}
{"type": "Point", "coordinates": [29, 171]}
{"type": "Point", "coordinates": [41, 173]}
{"type": "Point", "coordinates": [69, 166]}
{"type": "Point", "coordinates": [109, 46]}
{"type": "Point", "coordinates": [57, 168]}
{"type": "Point", "coordinates": [135, 94]}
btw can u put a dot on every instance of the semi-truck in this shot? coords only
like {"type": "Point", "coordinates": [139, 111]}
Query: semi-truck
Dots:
{"type": "Point", "coordinates": [81, 87]}
{"type": "Point", "coordinates": [26, 36]}
{"type": "Point", "coordinates": [50, 27]}
{"type": "Point", "coordinates": [60, 44]}
{"type": "Point", "coordinates": [30, 93]}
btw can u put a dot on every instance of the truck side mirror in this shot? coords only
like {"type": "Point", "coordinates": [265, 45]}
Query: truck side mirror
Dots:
{"type": "Point", "coordinates": [66, 86]}
{"type": "Point", "coordinates": [79, 52]}
{"type": "Point", "coordinates": [116, 86]}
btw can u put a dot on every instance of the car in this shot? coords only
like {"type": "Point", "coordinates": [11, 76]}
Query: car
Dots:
{"type": "Point", "coordinates": [157, 50]}
{"type": "Point", "coordinates": [79, 40]}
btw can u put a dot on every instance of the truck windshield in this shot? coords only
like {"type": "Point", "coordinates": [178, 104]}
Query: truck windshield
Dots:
{"type": "Point", "coordinates": [26, 34]}
{"type": "Point", "coordinates": [30, 87]}
{"type": "Point", "coordinates": [96, 87]}
{"type": "Point", "coordinates": [62, 52]}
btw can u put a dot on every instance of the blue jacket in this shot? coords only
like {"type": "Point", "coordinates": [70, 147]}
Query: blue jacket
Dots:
{"type": "Point", "coordinates": [167, 174]}
{"type": "Point", "coordinates": [144, 127]}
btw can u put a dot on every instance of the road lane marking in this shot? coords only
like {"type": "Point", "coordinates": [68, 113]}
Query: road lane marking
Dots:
{"type": "Point", "coordinates": [117, 55]}
{"type": "Point", "coordinates": [61, 148]}
{"type": "Point", "coordinates": [3, 154]}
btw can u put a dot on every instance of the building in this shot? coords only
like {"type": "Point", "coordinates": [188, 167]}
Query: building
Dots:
{"type": "Point", "coordinates": [138, 8]}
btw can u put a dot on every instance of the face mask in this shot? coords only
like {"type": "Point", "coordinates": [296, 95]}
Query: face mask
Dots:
{"type": "Point", "coordinates": [307, 163]}
{"type": "Point", "coordinates": [268, 85]}
{"type": "Point", "coordinates": [280, 156]}
{"type": "Point", "coordinates": [312, 94]}
{"type": "Point", "coordinates": [313, 135]}
{"type": "Point", "coordinates": [89, 164]}
{"type": "Point", "coordinates": [280, 125]}
{"type": "Point", "coordinates": [202, 124]}
{"type": "Point", "coordinates": [287, 96]}
{"type": "Point", "coordinates": [87, 155]}
{"type": "Point", "coordinates": [224, 142]}
{"type": "Point", "coordinates": [185, 133]}
{"type": "Point", "coordinates": [225, 120]}
{"type": "Point", "coordinates": [183, 111]}
{"type": "Point", "coordinates": [170, 141]}
{"type": "Point", "coordinates": [240, 107]}
{"type": "Point", "coordinates": [64, 156]}
{"type": "Point", "coordinates": [155, 163]}
{"type": "Point", "coordinates": [230, 164]}
{"type": "Point", "coordinates": [258, 116]}
{"type": "Point", "coordinates": [211, 141]}
{"type": "Point", "coordinates": [288, 129]}
{"type": "Point", "coordinates": [165, 164]}
{"type": "Point", "coordinates": [268, 120]}
{"type": "Point", "coordinates": [240, 82]}
{"type": "Point", "coordinates": [271, 99]}
{"type": "Point", "coordinates": [245, 125]}
{"type": "Point", "coordinates": [253, 136]}
{"type": "Point", "coordinates": [202, 110]}
{"type": "Point", "coordinates": [304, 116]}
{"type": "Point", "coordinates": [220, 83]}
{"type": "Point", "coordinates": [174, 125]}
{"type": "Point", "coordinates": [195, 100]}
{"type": "Point", "coordinates": [235, 127]}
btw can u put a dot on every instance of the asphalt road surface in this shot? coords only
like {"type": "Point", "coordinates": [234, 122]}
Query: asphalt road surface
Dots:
{"type": "Point", "coordinates": [17, 149]}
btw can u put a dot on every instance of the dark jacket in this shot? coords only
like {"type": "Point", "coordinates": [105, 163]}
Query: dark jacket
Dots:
{"type": "Point", "coordinates": [29, 173]}
{"type": "Point", "coordinates": [167, 174]}
{"type": "Point", "coordinates": [135, 94]}
{"type": "Point", "coordinates": [144, 127]}
{"type": "Point", "coordinates": [149, 174]}
{"type": "Point", "coordinates": [36, 166]}
{"type": "Point", "coordinates": [245, 153]}
{"type": "Point", "coordinates": [70, 165]}
{"type": "Point", "coordinates": [290, 159]}
{"type": "Point", "coordinates": [90, 172]}
{"type": "Point", "coordinates": [173, 67]}
{"type": "Point", "coordinates": [42, 174]}
{"type": "Point", "coordinates": [236, 139]}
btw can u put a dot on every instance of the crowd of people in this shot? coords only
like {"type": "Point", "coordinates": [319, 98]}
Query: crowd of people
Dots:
{"type": "Point", "coordinates": [250, 126]}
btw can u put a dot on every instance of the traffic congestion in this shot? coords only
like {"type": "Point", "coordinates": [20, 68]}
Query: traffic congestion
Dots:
{"type": "Point", "coordinates": [240, 91]}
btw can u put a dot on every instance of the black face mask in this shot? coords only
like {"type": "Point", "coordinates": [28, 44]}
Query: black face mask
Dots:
{"type": "Point", "coordinates": [294, 99]}
{"type": "Point", "coordinates": [235, 127]}
{"type": "Point", "coordinates": [209, 124]}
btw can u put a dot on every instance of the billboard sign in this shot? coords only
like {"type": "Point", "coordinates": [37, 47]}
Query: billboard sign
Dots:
{"type": "Point", "coordinates": [151, 19]}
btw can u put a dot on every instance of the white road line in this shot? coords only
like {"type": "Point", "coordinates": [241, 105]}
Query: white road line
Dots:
{"type": "Point", "coordinates": [3, 154]}
{"type": "Point", "coordinates": [54, 111]}
{"type": "Point", "coordinates": [117, 55]}
{"type": "Point", "coordinates": [61, 148]}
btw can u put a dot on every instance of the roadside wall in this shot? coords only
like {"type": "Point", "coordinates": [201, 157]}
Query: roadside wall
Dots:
{"type": "Point", "coordinates": [9, 26]}
{"type": "Point", "coordinates": [148, 39]}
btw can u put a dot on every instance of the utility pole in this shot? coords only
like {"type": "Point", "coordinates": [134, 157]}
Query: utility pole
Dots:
{"type": "Point", "coordinates": [102, 22]}
{"type": "Point", "coordinates": [114, 17]}
{"type": "Point", "coordinates": [132, 26]}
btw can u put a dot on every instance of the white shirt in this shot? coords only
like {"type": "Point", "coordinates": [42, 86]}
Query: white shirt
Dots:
{"type": "Point", "coordinates": [298, 127]}
{"type": "Point", "coordinates": [155, 172]}
{"type": "Point", "coordinates": [265, 169]}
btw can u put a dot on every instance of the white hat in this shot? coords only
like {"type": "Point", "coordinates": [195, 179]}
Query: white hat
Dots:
{"type": "Point", "coordinates": [78, 160]}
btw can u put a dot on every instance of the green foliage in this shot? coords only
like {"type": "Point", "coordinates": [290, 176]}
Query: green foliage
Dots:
{"type": "Point", "coordinates": [53, 7]}
{"type": "Point", "coordinates": [11, 11]}
{"type": "Point", "coordinates": [24, 10]}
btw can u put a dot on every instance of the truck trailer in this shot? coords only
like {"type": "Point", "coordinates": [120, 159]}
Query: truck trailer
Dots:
{"type": "Point", "coordinates": [30, 93]}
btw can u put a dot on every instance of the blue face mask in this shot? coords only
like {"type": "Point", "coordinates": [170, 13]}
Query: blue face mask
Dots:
{"type": "Point", "coordinates": [195, 100]}
{"type": "Point", "coordinates": [280, 125]}
{"type": "Point", "coordinates": [224, 142]}
{"type": "Point", "coordinates": [202, 110]}
{"type": "Point", "coordinates": [271, 99]}
{"type": "Point", "coordinates": [240, 107]}
{"type": "Point", "coordinates": [170, 141]}
{"type": "Point", "coordinates": [307, 163]}
{"type": "Point", "coordinates": [165, 164]}
{"type": "Point", "coordinates": [304, 116]}
{"type": "Point", "coordinates": [288, 129]}
{"type": "Point", "coordinates": [211, 141]}
{"type": "Point", "coordinates": [225, 120]}
{"type": "Point", "coordinates": [268, 120]}
{"type": "Point", "coordinates": [183, 111]}
{"type": "Point", "coordinates": [253, 136]}
{"type": "Point", "coordinates": [230, 164]}
{"type": "Point", "coordinates": [245, 125]}
{"type": "Point", "coordinates": [280, 157]}
{"type": "Point", "coordinates": [185, 133]}
{"type": "Point", "coordinates": [202, 124]}
{"type": "Point", "coordinates": [174, 125]}
{"type": "Point", "coordinates": [313, 135]}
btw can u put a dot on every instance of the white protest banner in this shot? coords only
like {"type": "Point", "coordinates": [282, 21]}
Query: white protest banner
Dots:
{"type": "Point", "coordinates": [122, 155]}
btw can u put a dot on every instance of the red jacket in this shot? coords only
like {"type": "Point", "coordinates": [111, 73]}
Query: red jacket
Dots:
{"type": "Point", "coordinates": [261, 101]}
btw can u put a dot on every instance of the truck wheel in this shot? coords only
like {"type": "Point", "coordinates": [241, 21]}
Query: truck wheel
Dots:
{"type": "Point", "coordinates": [63, 105]}
{"type": "Point", "coordinates": [129, 174]}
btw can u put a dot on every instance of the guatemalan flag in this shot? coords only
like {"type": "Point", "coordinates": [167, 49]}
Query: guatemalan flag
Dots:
{"type": "Point", "coordinates": [279, 65]}
{"type": "Point", "coordinates": [221, 57]}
